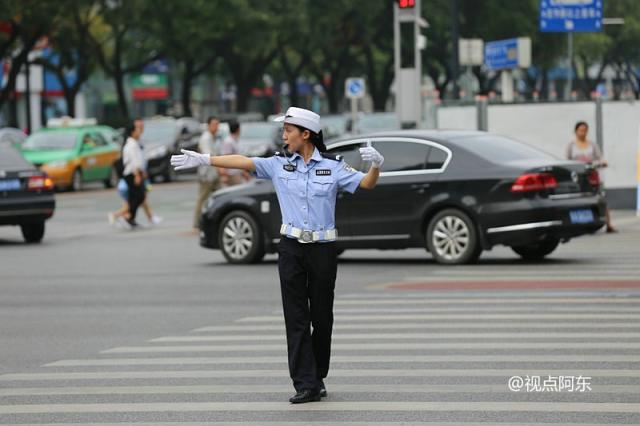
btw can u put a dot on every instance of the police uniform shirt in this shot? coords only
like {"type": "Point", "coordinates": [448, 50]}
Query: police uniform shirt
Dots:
{"type": "Point", "coordinates": [307, 192]}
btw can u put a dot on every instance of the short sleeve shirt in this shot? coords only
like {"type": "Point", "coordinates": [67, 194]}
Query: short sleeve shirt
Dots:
{"type": "Point", "coordinates": [307, 192]}
{"type": "Point", "coordinates": [132, 157]}
{"type": "Point", "coordinates": [589, 154]}
{"type": "Point", "coordinates": [229, 147]}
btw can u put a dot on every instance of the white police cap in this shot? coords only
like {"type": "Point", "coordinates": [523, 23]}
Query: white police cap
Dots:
{"type": "Point", "coordinates": [301, 117]}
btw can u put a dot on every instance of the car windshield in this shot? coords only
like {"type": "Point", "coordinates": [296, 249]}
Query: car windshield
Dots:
{"type": "Point", "coordinates": [500, 149]}
{"type": "Point", "coordinates": [158, 133]}
{"type": "Point", "coordinates": [11, 160]}
{"type": "Point", "coordinates": [257, 131]}
{"type": "Point", "coordinates": [49, 141]}
{"type": "Point", "coordinates": [378, 122]}
{"type": "Point", "coordinates": [334, 126]}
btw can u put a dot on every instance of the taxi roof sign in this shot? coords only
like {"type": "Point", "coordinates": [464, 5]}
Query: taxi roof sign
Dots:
{"type": "Point", "coordinates": [71, 122]}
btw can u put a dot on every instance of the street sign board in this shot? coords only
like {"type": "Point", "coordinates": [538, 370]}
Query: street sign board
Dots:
{"type": "Point", "coordinates": [560, 16]}
{"type": "Point", "coordinates": [471, 51]}
{"type": "Point", "coordinates": [354, 88]}
{"type": "Point", "coordinates": [149, 87]}
{"type": "Point", "coordinates": [508, 54]}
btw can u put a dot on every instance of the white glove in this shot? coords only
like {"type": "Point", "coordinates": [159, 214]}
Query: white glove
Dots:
{"type": "Point", "coordinates": [190, 159]}
{"type": "Point", "coordinates": [369, 153]}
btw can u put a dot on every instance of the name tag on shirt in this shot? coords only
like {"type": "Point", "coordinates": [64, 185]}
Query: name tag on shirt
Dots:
{"type": "Point", "coordinates": [323, 172]}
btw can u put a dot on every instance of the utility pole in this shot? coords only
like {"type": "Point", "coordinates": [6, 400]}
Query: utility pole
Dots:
{"type": "Point", "coordinates": [455, 35]}
{"type": "Point", "coordinates": [408, 44]}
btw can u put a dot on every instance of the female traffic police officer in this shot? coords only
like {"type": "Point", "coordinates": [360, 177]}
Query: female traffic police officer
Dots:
{"type": "Point", "coordinates": [306, 180]}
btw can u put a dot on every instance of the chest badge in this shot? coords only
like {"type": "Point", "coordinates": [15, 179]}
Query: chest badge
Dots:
{"type": "Point", "coordinates": [289, 167]}
{"type": "Point", "coordinates": [323, 172]}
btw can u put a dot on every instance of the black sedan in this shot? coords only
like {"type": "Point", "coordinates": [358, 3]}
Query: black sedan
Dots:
{"type": "Point", "coordinates": [26, 194]}
{"type": "Point", "coordinates": [163, 137]}
{"type": "Point", "coordinates": [455, 193]}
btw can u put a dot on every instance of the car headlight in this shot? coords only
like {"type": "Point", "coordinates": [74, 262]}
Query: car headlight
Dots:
{"type": "Point", "coordinates": [160, 151]}
{"type": "Point", "coordinates": [58, 163]}
{"type": "Point", "coordinates": [206, 206]}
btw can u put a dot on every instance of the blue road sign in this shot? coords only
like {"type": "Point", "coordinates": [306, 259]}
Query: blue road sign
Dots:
{"type": "Point", "coordinates": [560, 16]}
{"type": "Point", "coordinates": [355, 88]}
{"type": "Point", "coordinates": [501, 54]}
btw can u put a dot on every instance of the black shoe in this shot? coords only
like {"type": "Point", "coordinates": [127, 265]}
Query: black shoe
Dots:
{"type": "Point", "coordinates": [323, 389]}
{"type": "Point", "coordinates": [305, 396]}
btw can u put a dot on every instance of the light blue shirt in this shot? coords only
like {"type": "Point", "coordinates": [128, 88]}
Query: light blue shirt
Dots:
{"type": "Point", "coordinates": [307, 192]}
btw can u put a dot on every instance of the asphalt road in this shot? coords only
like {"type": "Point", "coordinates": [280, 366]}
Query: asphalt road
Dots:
{"type": "Point", "coordinates": [102, 325]}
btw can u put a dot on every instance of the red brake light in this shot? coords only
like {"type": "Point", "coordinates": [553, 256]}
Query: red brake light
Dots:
{"type": "Point", "coordinates": [594, 178]}
{"type": "Point", "coordinates": [532, 182]}
{"type": "Point", "coordinates": [36, 183]}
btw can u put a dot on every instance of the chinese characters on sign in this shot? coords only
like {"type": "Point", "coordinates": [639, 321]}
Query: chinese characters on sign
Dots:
{"type": "Point", "coordinates": [570, 15]}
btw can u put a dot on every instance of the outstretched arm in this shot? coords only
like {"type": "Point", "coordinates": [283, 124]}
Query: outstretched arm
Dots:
{"type": "Point", "coordinates": [190, 159]}
{"type": "Point", "coordinates": [233, 162]}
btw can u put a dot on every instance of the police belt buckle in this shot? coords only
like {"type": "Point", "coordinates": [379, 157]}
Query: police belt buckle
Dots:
{"type": "Point", "coordinates": [306, 237]}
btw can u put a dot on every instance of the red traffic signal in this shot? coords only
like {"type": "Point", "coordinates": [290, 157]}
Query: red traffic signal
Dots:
{"type": "Point", "coordinates": [406, 4]}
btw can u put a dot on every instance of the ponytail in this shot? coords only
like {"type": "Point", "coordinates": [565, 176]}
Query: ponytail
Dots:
{"type": "Point", "coordinates": [316, 138]}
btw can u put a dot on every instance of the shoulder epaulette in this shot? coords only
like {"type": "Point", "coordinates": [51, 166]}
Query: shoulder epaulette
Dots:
{"type": "Point", "coordinates": [331, 156]}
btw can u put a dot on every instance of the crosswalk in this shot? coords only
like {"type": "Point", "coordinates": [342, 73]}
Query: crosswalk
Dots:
{"type": "Point", "coordinates": [398, 358]}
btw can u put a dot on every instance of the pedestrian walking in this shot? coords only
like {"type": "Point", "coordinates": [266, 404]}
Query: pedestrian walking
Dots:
{"type": "Point", "coordinates": [134, 170]}
{"type": "Point", "coordinates": [208, 177]}
{"type": "Point", "coordinates": [123, 191]}
{"type": "Point", "coordinates": [230, 177]}
{"type": "Point", "coordinates": [306, 180]}
{"type": "Point", "coordinates": [583, 149]}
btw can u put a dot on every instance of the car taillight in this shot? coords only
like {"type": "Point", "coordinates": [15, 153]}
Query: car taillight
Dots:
{"type": "Point", "coordinates": [594, 178]}
{"type": "Point", "coordinates": [36, 183]}
{"type": "Point", "coordinates": [532, 182]}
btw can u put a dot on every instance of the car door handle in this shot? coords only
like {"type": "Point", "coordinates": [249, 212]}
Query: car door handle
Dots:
{"type": "Point", "coordinates": [420, 185]}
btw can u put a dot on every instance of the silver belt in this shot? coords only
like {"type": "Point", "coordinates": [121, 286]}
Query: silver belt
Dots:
{"type": "Point", "coordinates": [308, 235]}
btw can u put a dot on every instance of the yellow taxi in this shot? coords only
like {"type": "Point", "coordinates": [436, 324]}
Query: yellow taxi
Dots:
{"type": "Point", "coordinates": [74, 152]}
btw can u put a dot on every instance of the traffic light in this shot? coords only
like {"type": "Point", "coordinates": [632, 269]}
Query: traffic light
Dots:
{"type": "Point", "coordinates": [406, 4]}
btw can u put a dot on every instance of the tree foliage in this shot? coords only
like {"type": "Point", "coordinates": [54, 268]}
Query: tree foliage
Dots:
{"type": "Point", "coordinates": [325, 41]}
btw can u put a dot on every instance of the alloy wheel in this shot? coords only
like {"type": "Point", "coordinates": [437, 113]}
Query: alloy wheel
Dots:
{"type": "Point", "coordinates": [237, 238]}
{"type": "Point", "coordinates": [451, 238]}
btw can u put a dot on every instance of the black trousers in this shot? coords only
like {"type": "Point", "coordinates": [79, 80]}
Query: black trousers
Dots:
{"type": "Point", "coordinates": [307, 283]}
{"type": "Point", "coordinates": [136, 194]}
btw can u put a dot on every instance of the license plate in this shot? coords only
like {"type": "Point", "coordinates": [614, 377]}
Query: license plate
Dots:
{"type": "Point", "coordinates": [581, 216]}
{"type": "Point", "coordinates": [9, 185]}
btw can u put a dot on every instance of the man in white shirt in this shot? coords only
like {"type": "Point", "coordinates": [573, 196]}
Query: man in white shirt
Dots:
{"type": "Point", "coordinates": [230, 177]}
{"type": "Point", "coordinates": [134, 166]}
{"type": "Point", "coordinates": [207, 176]}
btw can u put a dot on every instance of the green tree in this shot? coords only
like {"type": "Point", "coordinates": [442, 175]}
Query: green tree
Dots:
{"type": "Point", "coordinates": [436, 59]}
{"type": "Point", "coordinates": [190, 34]}
{"type": "Point", "coordinates": [250, 44]}
{"type": "Point", "coordinates": [121, 44]}
{"type": "Point", "coordinates": [25, 23]}
{"type": "Point", "coordinates": [624, 51]}
{"type": "Point", "coordinates": [373, 43]}
{"type": "Point", "coordinates": [71, 42]}
{"type": "Point", "coordinates": [293, 38]}
{"type": "Point", "coordinates": [335, 31]}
